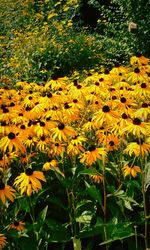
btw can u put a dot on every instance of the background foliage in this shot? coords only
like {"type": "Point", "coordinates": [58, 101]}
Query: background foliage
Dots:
{"type": "Point", "coordinates": [44, 40]}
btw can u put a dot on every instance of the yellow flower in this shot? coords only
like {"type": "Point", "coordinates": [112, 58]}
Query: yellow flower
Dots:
{"type": "Point", "coordinates": [50, 165]}
{"type": "Point", "coordinates": [29, 181]}
{"type": "Point", "coordinates": [6, 191]}
{"type": "Point", "coordinates": [131, 170]}
{"type": "Point", "coordinates": [12, 142]}
{"type": "Point", "coordinates": [137, 127]}
{"type": "Point", "coordinates": [143, 112]}
{"type": "Point", "coordinates": [62, 132]}
{"type": "Point", "coordinates": [97, 178]}
{"type": "Point", "coordinates": [137, 148]}
{"type": "Point", "coordinates": [90, 156]}
{"type": "Point", "coordinates": [137, 75]}
{"type": "Point", "coordinates": [139, 60]}
{"type": "Point", "coordinates": [112, 142]}
{"type": "Point", "coordinates": [56, 149]}
{"type": "Point", "coordinates": [105, 115]}
{"type": "Point", "coordinates": [2, 241]}
{"type": "Point", "coordinates": [18, 225]}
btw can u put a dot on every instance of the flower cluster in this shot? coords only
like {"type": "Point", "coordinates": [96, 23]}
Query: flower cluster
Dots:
{"type": "Point", "coordinates": [88, 119]}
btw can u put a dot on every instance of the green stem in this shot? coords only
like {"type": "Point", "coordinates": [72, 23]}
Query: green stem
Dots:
{"type": "Point", "coordinates": [76, 244]}
{"type": "Point", "coordinates": [104, 203]}
{"type": "Point", "coordinates": [136, 239]}
{"type": "Point", "coordinates": [145, 210]}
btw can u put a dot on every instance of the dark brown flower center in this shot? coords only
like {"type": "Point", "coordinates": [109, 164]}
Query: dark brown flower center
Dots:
{"type": "Point", "coordinates": [42, 124]}
{"type": "Point", "coordinates": [106, 72]}
{"type": "Point", "coordinates": [5, 110]}
{"type": "Point", "coordinates": [66, 106]}
{"type": "Point", "coordinates": [23, 127]}
{"type": "Point", "coordinates": [16, 223]}
{"type": "Point", "coordinates": [111, 143]}
{"type": "Point", "coordinates": [49, 95]}
{"type": "Point", "coordinates": [124, 116]}
{"type": "Point", "coordinates": [75, 100]}
{"type": "Point", "coordinates": [28, 108]}
{"type": "Point", "coordinates": [79, 86]}
{"type": "Point", "coordinates": [61, 126]}
{"type": "Point", "coordinates": [136, 121]}
{"type": "Point", "coordinates": [56, 144]}
{"type": "Point", "coordinates": [11, 136]}
{"type": "Point", "coordinates": [3, 124]}
{"type": "Point", "coordinates": [97, 83]}
{"type": "Point", "coordinates": [143, 85]}
{"type": "Point", "coordinates": [114, 97]}
{"type": "Point", "coordinates": [144, 105]}
{"type": "Point", "coordinates": [75, 82]}
{"type": "Point", "coordinates": [29, 171]}
{"type": "Point", "coordinates": [137, 70]}
{"type": "Point", "coordinates": [12, 104]}
{"type": "Point", "coordinates": [43, 138]}
{"type": "Point", "coordinates": [105, 109]}
{"type": "Point", "coordinates": [123, 99]}
{"type": "Point", "coordinates": [54, 108]}
{"type": "Point", "coordinates": [2, 185]}
{"type": "Point", "coordinates": [92, 148]}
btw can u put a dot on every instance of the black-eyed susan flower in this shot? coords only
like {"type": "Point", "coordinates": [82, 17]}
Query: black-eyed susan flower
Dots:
{"type": "Point", "coordinates": [42, 143]}
{"type": "Point", "coordinates": [118, 70]}
{"type": "Point", "coordinates": [2, 241]}
{"type": "Point", "coordinates": [56, 148]}
{"type": "Point", "coordinates": [139, 148]}
{"type": "Point", "coordinates": [89, 157]}
{"type": "Point", "coordinates": [18, 225]}
{"type": "Point", "coordinates": [105, 115]}
{"type": "Point", "coordinates": [131, 170]}
{"type": "Point", "coordinates": [97, 178]}
{"type": "Point", "coordinates": [6, 192]}
{"type": "Point", "coordinates": [73, 149]}
{"type": "Point", "coordinates": [41, 129]}
{"type": "Point", "coordinates": [112, 142]}
{"type": "Point", "coordinates": [30, 141]}
{"type": "Point", "coordinates": [12, 142]}
{"type": "Point", "coordinates": [89, 125]}
{"type": "Point", "coordinates": [142, 90]}
{"type": "Point", "coordinates": [123, 121]}
{"type": "Point", "coordinates": [143, 111]}
{"type": "Point", "coordinates": [137, 75]}
{"type": "Point", "coordinates": [29, 181]}
{"type": "Point", "coordinates": [137, 127]}
{"type": "Point", "coordinates": [50, 165]}
{"type": "Point", "coordinates": [62, 132]}
{"type": "Point", "coordinates": [139, 60]}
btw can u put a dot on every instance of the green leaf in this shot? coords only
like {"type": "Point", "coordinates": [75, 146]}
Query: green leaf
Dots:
{"type": "Point", "coordinates": [117, 238]}
{"type": "Point", "coordinates": [94, 192]}
{"type": "Point", "coordinates": [26, 243]}
{"type": "Point", "coordinates": [57, 232]}
{"type": "Point", "coordinates": [55, 200]}
{"type": "Point", "coordinates": [41, 220]}
{"type": "Point", "coordinates": [89, 171]}
{"type": "Point", "coordinates": [85, 217]}
{"type": "Point", "coordinates": [118, 232]}
{"type": "Point", "coordinates": [147, 176]}
{"type": "Point", "coordinates": [128, 205]}
{"type": "Point", "coordinates": [43, 213]}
